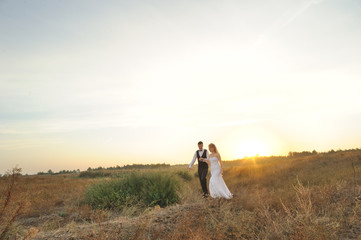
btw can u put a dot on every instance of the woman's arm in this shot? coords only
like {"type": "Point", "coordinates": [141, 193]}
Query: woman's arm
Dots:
{"type": "Point", "coordinates": [220, 162]}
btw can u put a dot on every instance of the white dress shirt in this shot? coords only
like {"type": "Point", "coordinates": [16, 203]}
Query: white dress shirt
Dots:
{"type": "Point", "coordinates": [195, 156]}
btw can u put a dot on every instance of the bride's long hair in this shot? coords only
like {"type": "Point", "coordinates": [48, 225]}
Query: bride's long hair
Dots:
{"type": "Point", "coordinates": [213, 146]}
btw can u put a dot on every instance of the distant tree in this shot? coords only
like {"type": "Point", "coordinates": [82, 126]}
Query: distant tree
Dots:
{"type": "Point", "coordinates": [50, 171]}
{"type": "Point", "coordinates": [299, 154]}
{"type": "Point", "coordinates": [89, 169]}
{"type": "Point", "coordinates": [314, 152]}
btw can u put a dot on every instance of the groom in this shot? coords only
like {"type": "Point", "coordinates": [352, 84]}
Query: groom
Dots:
{"type": "Point", "coordinates": [202, 167]}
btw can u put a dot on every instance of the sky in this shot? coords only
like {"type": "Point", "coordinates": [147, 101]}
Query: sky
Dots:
{"type": "Point", "coordinates": [88, 83]}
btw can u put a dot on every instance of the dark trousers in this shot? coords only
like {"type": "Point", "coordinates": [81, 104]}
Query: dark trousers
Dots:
{"type": "Point", "coordinates": [202, 173]}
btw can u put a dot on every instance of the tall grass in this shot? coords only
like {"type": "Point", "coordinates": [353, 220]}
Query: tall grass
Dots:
{"type": "Point", "coordinates": [281, 198]}
{"type": "Point", "coordinates": [184, 175]}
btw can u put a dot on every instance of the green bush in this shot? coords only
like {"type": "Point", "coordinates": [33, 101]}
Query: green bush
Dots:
{"type": "Point", "coordinates": [185, 175]}
{"type": "Point", "coordinates": [142, 189]}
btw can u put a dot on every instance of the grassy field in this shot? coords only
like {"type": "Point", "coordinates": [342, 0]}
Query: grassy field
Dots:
{"type": "Point", "coordinates": [305, 197]}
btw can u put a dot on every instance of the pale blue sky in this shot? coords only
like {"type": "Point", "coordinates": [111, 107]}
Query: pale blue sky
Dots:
{"type": "Point", "coordinates": [101, 83]}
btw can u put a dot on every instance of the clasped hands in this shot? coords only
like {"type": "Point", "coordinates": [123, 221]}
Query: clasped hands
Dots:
{"type": "Point", "coordinates": [203, 160]}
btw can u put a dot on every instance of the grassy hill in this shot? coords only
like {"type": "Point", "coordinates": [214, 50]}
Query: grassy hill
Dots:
{"type": "Point", "coordinates": [296, 197]}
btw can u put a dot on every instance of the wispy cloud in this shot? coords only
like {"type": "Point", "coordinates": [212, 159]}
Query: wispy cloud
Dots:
{"type": "Point", "coordinates": [231, 123]}
{"type": "Point", "coordinates": [62, 125]}
{"type": "Point", "coordinates": [284, 20]}
{"type": "Point", "coordinates": [17, 144]}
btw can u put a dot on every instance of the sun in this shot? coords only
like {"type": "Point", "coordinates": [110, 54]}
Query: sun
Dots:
{"type": "Point", "coordinates": [249, 141]}
{"type": "Point", "coordinates": [251, 148]}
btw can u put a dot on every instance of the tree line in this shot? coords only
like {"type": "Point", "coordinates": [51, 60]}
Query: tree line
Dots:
{"type": "Point", "coordinates": [50, 172]}
{"type": "Point", "coordinates": [117, 167]}
{"type": "Point", "coordinates": [314, 152]}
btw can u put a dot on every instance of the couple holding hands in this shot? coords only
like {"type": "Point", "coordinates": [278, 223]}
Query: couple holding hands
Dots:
{"type": "Point", "coordinates": [217, 186]}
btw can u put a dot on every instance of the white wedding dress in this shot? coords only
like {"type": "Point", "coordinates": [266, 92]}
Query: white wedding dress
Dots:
{"type": "Point", "coordinates": [217, 186]}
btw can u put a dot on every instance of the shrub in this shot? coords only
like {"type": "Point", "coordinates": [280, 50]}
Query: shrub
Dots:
{"type": "Point", "coordinates": [142, 189]}
{"type": "Point", "coordinates": [12, 202]}
{"type": "Point", "coordinates": [185, 175]}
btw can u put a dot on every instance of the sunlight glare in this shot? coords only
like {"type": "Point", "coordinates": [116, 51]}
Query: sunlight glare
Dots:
{"type": "Point", "coordinates": [252, 148]}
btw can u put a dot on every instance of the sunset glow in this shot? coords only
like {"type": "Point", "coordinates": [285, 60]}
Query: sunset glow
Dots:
{"type": "Point", "coordinates": [252, 148]}
{"type": "Point", "coordinates": [124, 82]}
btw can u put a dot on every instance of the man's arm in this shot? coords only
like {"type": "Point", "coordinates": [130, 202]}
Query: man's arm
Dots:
{"type": "Point", "coordinates": [193, 160]}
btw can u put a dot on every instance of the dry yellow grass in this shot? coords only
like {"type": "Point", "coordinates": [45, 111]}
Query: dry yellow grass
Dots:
{"type": "Point", "coordinates": [313, 197]}
{"type": "Point", "coordinates": [52, 202]}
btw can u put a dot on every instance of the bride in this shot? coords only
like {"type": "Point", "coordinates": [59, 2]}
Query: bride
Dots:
{"type": "Point", "coordinates": [217, 186]}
